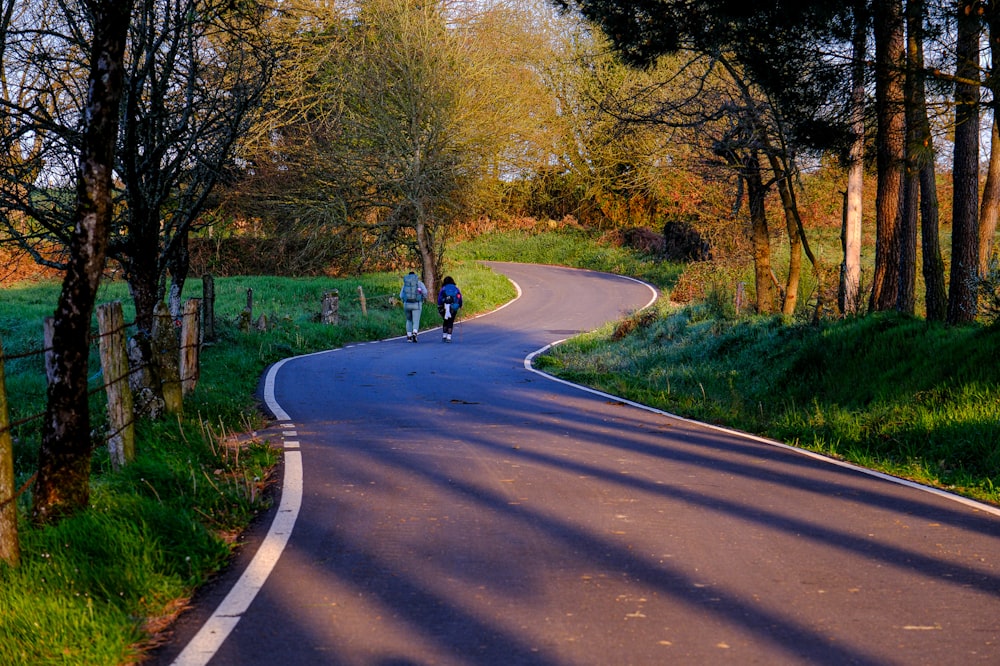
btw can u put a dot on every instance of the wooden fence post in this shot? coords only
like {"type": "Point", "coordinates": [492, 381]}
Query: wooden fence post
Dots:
{"type": "Point", "coordinates": [10, 549]}
{"type": "Point", "coordinates": [190, 345]}
{"type": "Point", "coordinates": [330, 309]}
{"type": "Point", "coordinates": [208, 308]}
{"type": "Point", "coordinates": [364, 302]}
{"type": "Point", "coordinates": [166, 352]}
{"type": "Point", "coordinates": [114, 363]}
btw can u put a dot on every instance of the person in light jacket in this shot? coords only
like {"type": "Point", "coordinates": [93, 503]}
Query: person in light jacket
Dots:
{"type": "Point", "coordinates": [413, 295]}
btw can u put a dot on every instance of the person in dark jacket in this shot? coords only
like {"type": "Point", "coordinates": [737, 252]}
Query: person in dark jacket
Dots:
{"type": "Point", "coordinates": [449, 302]}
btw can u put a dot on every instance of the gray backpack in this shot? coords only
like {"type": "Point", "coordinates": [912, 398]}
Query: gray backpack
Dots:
{"type": "Point", "coordinates": [411, 291]}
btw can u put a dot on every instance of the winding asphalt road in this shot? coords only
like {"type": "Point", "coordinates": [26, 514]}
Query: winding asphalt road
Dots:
{"type": "Point", "coordinates": [444, 504]}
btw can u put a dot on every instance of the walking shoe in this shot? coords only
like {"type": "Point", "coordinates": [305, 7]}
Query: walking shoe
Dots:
{"type": "Point", "coordinates": [414, 338]}
{"type": "Point", "coordinates": [444, 338]}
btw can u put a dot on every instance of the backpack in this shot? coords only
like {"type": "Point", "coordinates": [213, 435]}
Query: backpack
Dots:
{"type": "Point", "coordinates": [450, 291]}
{"type": "Point", "coordinates": [411, 290]}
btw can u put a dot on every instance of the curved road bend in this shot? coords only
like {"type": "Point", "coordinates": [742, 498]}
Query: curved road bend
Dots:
{"type": "Point", "coordinates": [459, 509]}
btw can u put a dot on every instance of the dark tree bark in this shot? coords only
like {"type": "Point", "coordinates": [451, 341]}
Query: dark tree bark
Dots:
{"type": "Point", "coordinates": [141, 266]}
{"type": "Point", "coordinates": [891, 141]}
{"type": "Point", "coordinates": [920, 159]}
{"type": "Point", "coordinates": [906, 290]}
{"type": "Point", "coordinates": [63, 484]}
{"type": "Point", "coordinates": [962, 288]}
{"type": "Point", "coordinates": [767, 292]}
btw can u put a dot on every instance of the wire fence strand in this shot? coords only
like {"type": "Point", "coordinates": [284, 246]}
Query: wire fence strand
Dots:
{"type": "Point", "coordinates": [95, 338]}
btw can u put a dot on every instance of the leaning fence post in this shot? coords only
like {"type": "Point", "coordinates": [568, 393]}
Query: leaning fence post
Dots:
{"type": "Point", "coordinates": [10, 550]}
{"type": "Point", "coordinates": [364, 302]}
{"type": "Point", "coordinates": [114, 364]}
{"type": "Point", "coordinates": [166, 351]}
{"type": "Point", "coordinates": [190, 345]}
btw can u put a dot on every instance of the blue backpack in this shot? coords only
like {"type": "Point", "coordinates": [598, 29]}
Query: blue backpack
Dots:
{"type": "Point", "coordinates": [451, 296]}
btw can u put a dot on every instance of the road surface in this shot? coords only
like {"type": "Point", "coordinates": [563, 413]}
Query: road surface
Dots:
{"type": "Point", "coordinates": [443, 504]}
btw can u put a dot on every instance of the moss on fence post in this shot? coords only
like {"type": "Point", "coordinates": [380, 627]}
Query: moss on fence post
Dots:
{"type": "Point", "coordinates": [114, 364]}
{"type": "Point", "coordinates": [166, 351]}
{"type": "Point", "coordinates": [330, 308]}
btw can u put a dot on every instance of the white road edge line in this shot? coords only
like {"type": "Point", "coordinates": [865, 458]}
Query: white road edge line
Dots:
{"type": "Point", "coordinates": [214, 632]}
{"type": "Point", "coordinates": [979, 506]}
{"type": "Point", "coordinates": [217, 628]}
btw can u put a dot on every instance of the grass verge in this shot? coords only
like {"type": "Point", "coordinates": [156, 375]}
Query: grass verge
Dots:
{"type": "Point", "coordinates": [897, 394]}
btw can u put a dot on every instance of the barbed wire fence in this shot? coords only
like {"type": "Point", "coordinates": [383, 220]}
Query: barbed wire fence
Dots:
{"type": "Point", "coordinates": [174, 362]}
{"type": "Point", "coordinates": [134, 375]}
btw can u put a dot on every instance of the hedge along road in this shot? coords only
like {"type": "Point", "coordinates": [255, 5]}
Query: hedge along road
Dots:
{"type": "Point", "coordinates": [450, 506]}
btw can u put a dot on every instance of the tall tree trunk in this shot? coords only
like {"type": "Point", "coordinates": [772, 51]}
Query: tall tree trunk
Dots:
{"type": "Point", "coordinates": [906, 293]}
{"type": "Point", "coordinates": [428, 259]}
{"type": "Point", "coordinates": [767, 296]}
{"type": "Point", "coordinates": [906, 290]}
{"type": "Point", "coordinates": [178, 263]}
{"type": "Point", "coordinates": [794, 257]}
{"type": "Point", "coordinates": [63, 484]}
{"type": "Point", "coordinates": [920, 156]}
{"type": "Point", "coordinates": [991, 192]}
{"type": "Point", "coordinates": [798, 242]}
{"type": "Point", "coordinates": [990, 207]}
{"type": "Point", "coordinates": [962, 288]}
{"type": "Point", "coordinates": [796, 235]}
{"type": "Point", "coordinates": [140, 262]}
{"type": "Point", "coordinates": [935, 294]}
{"type": "Point", "coordinates": [891, 141]}
{"type": "Point", "coordinates": [849, 293]}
